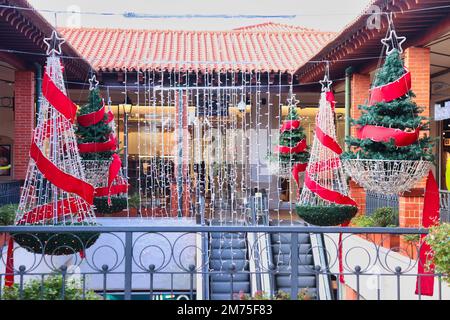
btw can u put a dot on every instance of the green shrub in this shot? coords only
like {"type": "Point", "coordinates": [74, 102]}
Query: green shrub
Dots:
{"type": "Point", "coordinates": [332, 215]}
{"type": "Point", "coordinates": [8, 214]}
{"type": "Point", "coordinates": [363, 221]}
{"type": "Point", "coordinates": [439, 240]}
{"type": "Point", "coordinates": [49, 289]}
{"type": "Point", "coordinates": [385, 217]}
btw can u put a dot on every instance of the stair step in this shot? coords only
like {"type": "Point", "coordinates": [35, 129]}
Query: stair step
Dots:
{"type": "Point", "coordinates": [226, 277]}
{"type": "Point", "coordinates": [303, 248]}
{"type": "Point", "coordinates": [284, 259]}
{"type": "Point", "coordinates": [286, 238]}
{"type": "Point", "coordinates": [228, 235]}
{"type": "Point", "coordinates": [224, 265]}
{"type": "Point", "coordinates": [228, 244]}
{"type": "Point", "coordinates": [220, 296]}
{"type": "Point", "coordinates": [302, 270]}
{"type": "Point", "coordinates": [302, 281]}
{"type": "Point", "coordinates": [228, 254]}
{"type": "Point", "coordinates": [225, 287]}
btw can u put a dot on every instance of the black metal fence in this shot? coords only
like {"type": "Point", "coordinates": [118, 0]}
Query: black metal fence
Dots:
{"type": "Point", "coordinates": [377, 200]}
{"type": "Point", "coordinates": [9, 192]}
{"type": "Point", "coordinates": [153, 259]}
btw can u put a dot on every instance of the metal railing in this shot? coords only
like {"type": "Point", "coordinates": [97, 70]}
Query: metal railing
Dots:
{"type": "Point", "coordinates": [444, 197]}
{"type": "Point", "coordinates": [154, 259]}
{"type": "Point", "coordinates": [377, 200]}
{"type": "Point", "coordinates": [9, 192]}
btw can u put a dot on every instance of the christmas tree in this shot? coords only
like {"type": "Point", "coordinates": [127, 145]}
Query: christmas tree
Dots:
{"type": "Point", "coordinates": [291, 136]}
{"type": "Point", "coordinates": [97, 144]}
{"type": "Point", "coordinates": [400, 115]}
{"type": "Point", "coordinates": [55, 191]}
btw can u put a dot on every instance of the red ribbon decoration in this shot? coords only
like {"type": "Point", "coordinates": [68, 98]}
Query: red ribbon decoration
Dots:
{"type": "Point", "coordinates": [296, 169]}
{"type": "Point", "coordinates": [391, 90]}
{"type": "Point", "coordinates": [430, 216]}
{"type": "Point", "coordinates": [92, 118]}
{"type": "Point", "coordinates": [60, 178]}
{"type": "Point", "coordinates": [327, 141]}
{"type": "Point", "coordinates": [301, 146]}
{"type": "Point", "coordinates": [289, 125]}
{"type": "Point", "coordinates": [330, 99]}
{"type": "Point", "coordinates": [58, 99]}
{"type": "Point", "coordinates": [383, 134]}
{"type": "Point", "coordinates": [45, 212]}
{"type": "Point", "coordinates": [326, 194]}
{"type": "Point", "coordinates": [9, 270]}
{"type": "Point", "coordinates": [109, 145]}
{"type": "Point", "coordinates": [115, 189]}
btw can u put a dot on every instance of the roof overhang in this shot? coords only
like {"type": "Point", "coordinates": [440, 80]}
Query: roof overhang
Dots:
{"type": "Point", "coordinates": [22, 31]}
{"type": "Point", "coordinates": [360, 47]}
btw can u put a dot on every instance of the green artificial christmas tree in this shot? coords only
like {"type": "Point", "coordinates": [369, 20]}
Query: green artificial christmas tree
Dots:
{"type": "Point", "coordinates": [401, 113]}
{"type": "Point", "coordinates": [100, 132]}
{"type": "Point", "coordinates": [291, 138]}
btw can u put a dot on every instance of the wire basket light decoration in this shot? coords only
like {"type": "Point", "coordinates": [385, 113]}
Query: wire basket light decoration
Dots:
{"type": "Point", "coordinates": [388, 156]}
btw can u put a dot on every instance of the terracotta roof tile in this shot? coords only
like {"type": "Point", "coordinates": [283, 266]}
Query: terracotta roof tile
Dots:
{"type": "Point", "coordinates": [266, 47]}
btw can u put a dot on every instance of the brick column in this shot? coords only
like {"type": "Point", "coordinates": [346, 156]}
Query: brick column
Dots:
{"type": "Point", "coordinates": [360, 85]}
{"type": "Point", "coordinates": [417, 60]}
{"type": "Point", "coordinates": [358, 194]}
{"type": "Point", "coordinates": [24, 111]}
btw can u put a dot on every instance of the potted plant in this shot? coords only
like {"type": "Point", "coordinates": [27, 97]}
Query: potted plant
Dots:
{"type": "Point", "coordinates": [7, 216]}
{"type": "Point", "coordinates": [438, 239]}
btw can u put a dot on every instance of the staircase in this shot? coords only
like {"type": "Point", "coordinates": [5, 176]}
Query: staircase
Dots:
{"type": "Point", "coordinates": [228, 249]}
{"type": "Point", "coordinates": [281, 252]}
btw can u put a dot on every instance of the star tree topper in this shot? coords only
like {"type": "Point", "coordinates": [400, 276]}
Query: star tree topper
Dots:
{"type": "Point", "coordinates": [54, 44]}
{"type": "Point", "coordinates": [93, 83]}
{"type": "Point", "coordinates": [393, 42]}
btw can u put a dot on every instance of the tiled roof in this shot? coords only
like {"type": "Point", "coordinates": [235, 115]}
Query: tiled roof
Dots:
{"type": "Point", "coordinates": [116, 49]}
{"type": "Point", "coordinates": [275, 27]}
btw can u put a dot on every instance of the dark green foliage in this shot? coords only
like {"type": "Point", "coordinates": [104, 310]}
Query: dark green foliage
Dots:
{"type": "Point", "coordinates": [56, 243]}
{"type": "Point", "coordinates": [117, 204]}
{"type": "Point", "coordinates": [98, 132]}
{"type": "Point", "coordinates": [331, 215]}
{"type": "Point", "coordinates": [291, 139]}
{"type": "Point", "coordinates": [7, 214]}
{"type": "Point", "coordinates": [50, 288]}
{"type": "Point", "coordinates": [385, 217]}
{"type": "Point", "coordinates": [402, 113]}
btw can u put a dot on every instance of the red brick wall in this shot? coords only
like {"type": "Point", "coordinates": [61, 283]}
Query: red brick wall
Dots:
{"type": "Point", "coordinates": [358, 194]}
{"type": "Point", "coordinates": [360, 86]}
{"type": "Point", "coordinates": [24, 94]}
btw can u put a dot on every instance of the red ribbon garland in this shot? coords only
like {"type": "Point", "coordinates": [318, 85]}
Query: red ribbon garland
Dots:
{"type": "Point", "coordinates": [301, 146]}
{"type": "Point", "coordinates": [9, 270]}
{"type": "Point", "coordinates": [430, 216]}
{"type": "Point", "coordinates": [45, 212]}
{"type": "Point", "coordinates": [58, 99]}
{"type": "Point", "coordinates": [109, 145]}
{"type": "Point", "coordinates": [60, 178]}
{"type": "Point", "coordinates": [392, 90]}
{"type": "Point", "coordinates": [296, 169]}
{"type": "Point", "coordinates": [383, 134]}
{"type": "Point", "coordinates": [327, 141]}
{"type": "Point", "coordinates": [289, 125]}
{"type": "Point", "coordinates": [92, 118]}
